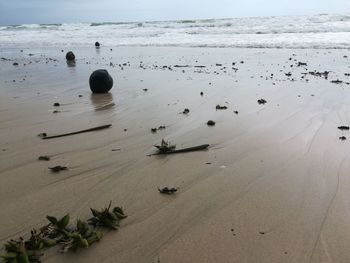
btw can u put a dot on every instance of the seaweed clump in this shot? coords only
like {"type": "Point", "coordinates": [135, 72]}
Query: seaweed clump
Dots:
{"type": "Point", "coordinates": [165, 147]}
{"type": "Point", "coordinates": [59, 232]}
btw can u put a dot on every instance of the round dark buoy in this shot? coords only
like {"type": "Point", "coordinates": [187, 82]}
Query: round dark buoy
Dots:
{"type": "Point", "coordinates": [70, 56]}
{"type": "Point", "coordinates": [97, 44]}
{"type": "Point", "coordinates": [100, 81]}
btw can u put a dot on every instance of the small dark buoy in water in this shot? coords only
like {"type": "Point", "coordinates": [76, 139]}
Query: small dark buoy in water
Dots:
{"type": "Point", "coordinates": [100, 81]}
{"type": "Point", "coordinates": [97, 44]}
{"type": "Point", "coordinates": [70, 56]}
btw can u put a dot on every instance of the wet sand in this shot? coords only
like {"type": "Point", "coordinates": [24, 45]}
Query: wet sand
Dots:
{"type": "Point", "coordinates": [273, 186]}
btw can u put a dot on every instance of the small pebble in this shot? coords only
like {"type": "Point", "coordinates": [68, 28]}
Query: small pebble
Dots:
{"type": "Point", "coordinates": [211, 123]}
{"type": "Point", "coordinates": [186, 111]}
{"type": "Point", "coordinates": [262, 101]}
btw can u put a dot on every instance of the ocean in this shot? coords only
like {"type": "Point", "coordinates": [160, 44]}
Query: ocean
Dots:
{"type": "Point", "coordinates": [315, 32]}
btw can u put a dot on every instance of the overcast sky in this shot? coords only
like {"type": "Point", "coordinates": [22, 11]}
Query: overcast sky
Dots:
{"type": "Point", "coordinates": [65, 11]}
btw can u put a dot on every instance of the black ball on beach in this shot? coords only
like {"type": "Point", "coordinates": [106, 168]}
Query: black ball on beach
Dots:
{"type": "Point", "coordinates": [70, 56]}
{"type": "Point", "coordinates": [100, 81]}
{"type": "Point", "coordinates": [97, 44]}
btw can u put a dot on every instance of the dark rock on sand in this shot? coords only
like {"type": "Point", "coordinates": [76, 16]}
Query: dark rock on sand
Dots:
{"type": "Point", "coordinates": [56, 104]}
{"type": "Point", "coordinates": [211, 123]}
{"type": "Point", "coordinates": [58, 168]}
{"type": "Point", "coordinates": [70, 56]}
{"type": "Point", "coordinates": [44, 158]}
{"type": "Point", "coordinates": [262, 101]}
{"type": "Point", "coordinates": [342, 138]}
{"type": "Point", "coordinates": [97, 44]}
{"type": "Point", "coordinates": [100, 81]}
{"type": "Point", "coordinates": [167, 190]}
{"type": "Point", "coordinates": [346, 128]}
{"type": "Point", "coordinates": [186, 111]}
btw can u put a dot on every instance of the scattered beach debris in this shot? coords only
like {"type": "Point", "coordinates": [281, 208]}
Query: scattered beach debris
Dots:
{"type": "Point", "coordinates": [70, 56]}
{"type": "Point", "coordinates": [44, 158]}
{"type": "Point", "coordinates": [319, 74]}
{"type": "Point", "coordinates": [262, 101]}
{"type": "Point", "coordinates": [106, 218]}
{"type": "Point", "coordinates": [343, 128]}
{"type": "Point", "coordinates": [167, 148]}
{"type": "Point", "coordinates": [211, 123]}
{"type": "Point", "coordinates": [167, 190]}
{"type": "Point", "coordinates": [56, 104]}
{"type": "Point", "coordinates": [58, 168]}
{"type": "Point", "coordinates": [59, 232]}
{"type": "Point", "coordinates": [77, 132]}
{"type": "Point", "coordinates": [337, 81]}
{"type": "Point", "coordinates": [181, 66]}
{"type": "Point", "coordinates": [342, 138]}
{"type": "Point", "coordinates": [100, 81]}
{"type": "Point", "coordinates": [154, 130]}
{"type": "Point", "coordinates": [186, 111]}
{"type": "Point", "coordinates": [218, 107]}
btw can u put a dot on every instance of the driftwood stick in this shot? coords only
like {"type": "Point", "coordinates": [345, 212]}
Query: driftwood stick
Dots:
{"type": "Point", "coordinates": [190, 149]}
{"type": "Point", "coordinates": [77, 132]}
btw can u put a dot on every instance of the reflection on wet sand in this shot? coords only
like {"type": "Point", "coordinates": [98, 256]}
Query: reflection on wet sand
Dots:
{"type": "Point", "coordinates": [102, 101]}
{"type": "Point", "coordinates": [71, 63]}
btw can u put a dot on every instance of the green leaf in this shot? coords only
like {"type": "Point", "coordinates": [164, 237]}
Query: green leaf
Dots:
{"type": "Point", "coordinates": [53, 220]}
{"type": "Point", "coordinates": [95, 212]}
{"type": "Point", "coordinates": [64, 221]}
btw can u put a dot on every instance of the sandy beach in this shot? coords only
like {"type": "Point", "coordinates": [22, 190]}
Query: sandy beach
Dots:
{"type": "Point", "coordinates": [272, 187]}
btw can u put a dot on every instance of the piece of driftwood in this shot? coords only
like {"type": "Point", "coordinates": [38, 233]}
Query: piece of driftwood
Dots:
{"type": "Point", "coordinates": [77, 132]}
{"type": "Point", "coordinates": [190, 149]}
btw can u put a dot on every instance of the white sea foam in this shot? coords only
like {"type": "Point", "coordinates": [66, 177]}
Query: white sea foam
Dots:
{"type": "Point", "coordinates": [321, 31]}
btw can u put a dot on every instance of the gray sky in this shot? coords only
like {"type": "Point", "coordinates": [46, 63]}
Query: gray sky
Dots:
{"type": "Point", "coordinates": [65, 11]}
